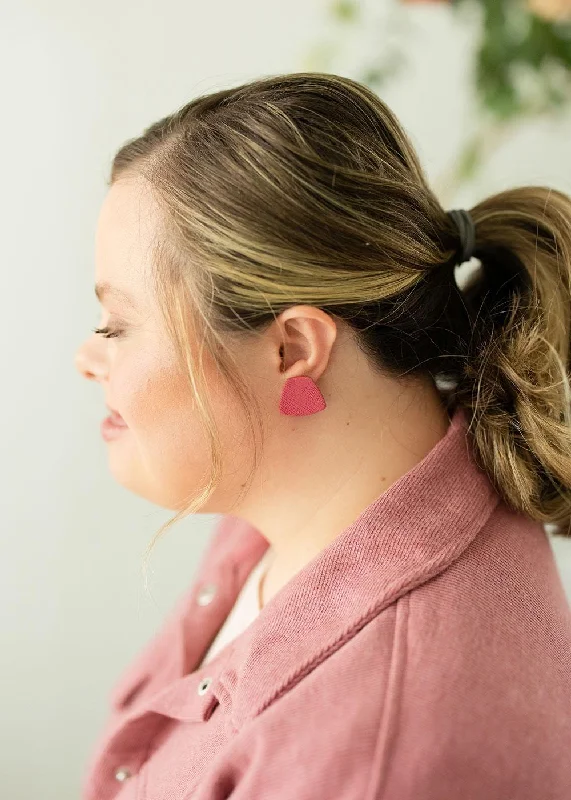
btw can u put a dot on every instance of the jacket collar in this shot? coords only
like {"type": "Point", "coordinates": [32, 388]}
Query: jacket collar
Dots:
{"type": "Point", "coordinates": [410, 533]}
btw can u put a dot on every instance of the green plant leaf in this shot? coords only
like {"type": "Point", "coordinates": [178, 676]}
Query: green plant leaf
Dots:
{"type": "Point", "coordinates": [469, 160]}
{"type": "Point", "coordinates": [345, 10]}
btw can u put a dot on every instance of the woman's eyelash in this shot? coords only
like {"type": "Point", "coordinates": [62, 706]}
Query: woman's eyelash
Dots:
{"type": "Point", "coordinates": [106, 332]}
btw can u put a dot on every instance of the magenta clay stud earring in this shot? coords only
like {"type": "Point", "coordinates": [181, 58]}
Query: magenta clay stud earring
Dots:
{"type": "Point", "coordinates": [301, 396]}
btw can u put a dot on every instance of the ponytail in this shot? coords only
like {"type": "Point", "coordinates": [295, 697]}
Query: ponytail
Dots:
{"type": "Point", "coordinates": [515, 385]}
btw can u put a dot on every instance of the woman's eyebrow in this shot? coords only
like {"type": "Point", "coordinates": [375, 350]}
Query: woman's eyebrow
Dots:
{"type": "Point", "coordinates": [104, 288]}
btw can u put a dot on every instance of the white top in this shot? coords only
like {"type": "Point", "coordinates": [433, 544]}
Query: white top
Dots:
{"type": "Point", "coordinates": [245, 609]}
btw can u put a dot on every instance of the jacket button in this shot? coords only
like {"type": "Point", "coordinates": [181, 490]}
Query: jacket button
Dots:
{"type": "Point", "coordinates": [203, 685]}
{"type": "Point", "coordinates": [122, 774]}
{"type": "Point", "coordinates": [206, 594]}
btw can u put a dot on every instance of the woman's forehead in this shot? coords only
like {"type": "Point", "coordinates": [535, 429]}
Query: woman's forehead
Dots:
{"type": "Point", "coordinates": [126, 230]}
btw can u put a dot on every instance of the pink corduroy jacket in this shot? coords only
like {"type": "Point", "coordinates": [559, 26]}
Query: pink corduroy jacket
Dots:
{"type": "Point", "coordinates": [424, 654]}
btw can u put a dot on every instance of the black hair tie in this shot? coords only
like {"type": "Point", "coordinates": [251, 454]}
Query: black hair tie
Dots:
{"type": "Point", "coordinates": [467, 231]}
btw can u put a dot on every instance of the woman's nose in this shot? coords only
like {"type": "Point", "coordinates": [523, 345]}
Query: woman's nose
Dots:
{"type": "Point", "coordinates": [87, 363]}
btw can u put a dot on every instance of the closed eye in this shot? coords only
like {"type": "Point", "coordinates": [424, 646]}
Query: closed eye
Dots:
{"type": "Point", "coordinates": [106, 332]}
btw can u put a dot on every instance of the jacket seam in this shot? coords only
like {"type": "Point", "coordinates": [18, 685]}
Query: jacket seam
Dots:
{"type": "Point", "coordinates": [389, 719]}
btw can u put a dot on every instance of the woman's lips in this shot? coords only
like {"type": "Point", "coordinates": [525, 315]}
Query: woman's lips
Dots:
{"type": "Point", "coordinates": [112, 426]}
{"type": "Point", "coordinates": [117, 419]}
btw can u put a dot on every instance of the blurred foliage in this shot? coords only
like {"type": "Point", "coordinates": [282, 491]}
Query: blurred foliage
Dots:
{"type": "Point", "coordinates": [345, 10]}
{"type": "Point", "coordinates": [523, 64]}
{"type": "Point", "coordinates": [522, 61]}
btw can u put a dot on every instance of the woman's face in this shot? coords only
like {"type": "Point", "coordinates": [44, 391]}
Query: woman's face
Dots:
{"type": "Point", "coordinates": [161, 453]}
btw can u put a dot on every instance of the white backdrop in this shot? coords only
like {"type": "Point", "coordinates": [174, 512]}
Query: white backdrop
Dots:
{"type": "Point", "coordinates": [77, 80]}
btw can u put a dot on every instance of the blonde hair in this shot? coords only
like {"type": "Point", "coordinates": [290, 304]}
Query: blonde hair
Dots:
{"type": "Point", "coordinates": [304, 188]}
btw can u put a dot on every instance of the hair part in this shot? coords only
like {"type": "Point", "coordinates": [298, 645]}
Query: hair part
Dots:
{"type": "Point", "coordinates": [304, 188]}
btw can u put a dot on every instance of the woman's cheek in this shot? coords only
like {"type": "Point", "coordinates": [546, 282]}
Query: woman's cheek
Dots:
{"type": "Point", "coordinates": [140, 388]}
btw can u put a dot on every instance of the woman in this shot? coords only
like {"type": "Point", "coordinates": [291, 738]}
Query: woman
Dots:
{"type": "Point", "coordinates": [378, 615]}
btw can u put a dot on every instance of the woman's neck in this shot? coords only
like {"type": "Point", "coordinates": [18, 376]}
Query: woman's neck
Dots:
{"type": "Point", "coordinates": [333, 482]}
